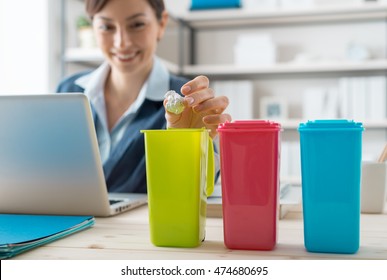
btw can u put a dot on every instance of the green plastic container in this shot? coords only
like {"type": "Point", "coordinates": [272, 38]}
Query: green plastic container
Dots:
{"type": "Point", "coordinates": [180, 175]}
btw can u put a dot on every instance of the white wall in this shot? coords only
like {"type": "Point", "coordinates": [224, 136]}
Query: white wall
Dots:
{"type": "Point", "coordinates": [25, 48]}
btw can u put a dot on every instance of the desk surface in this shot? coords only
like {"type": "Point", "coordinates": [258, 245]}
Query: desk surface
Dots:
{"type": "Point", "coordinates": [126, 236]}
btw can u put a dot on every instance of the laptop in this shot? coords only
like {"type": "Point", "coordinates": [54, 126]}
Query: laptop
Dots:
{"type": "Point", "coordinates": [49, 159]}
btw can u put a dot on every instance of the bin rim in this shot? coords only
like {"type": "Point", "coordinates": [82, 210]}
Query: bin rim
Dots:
{"type": "Point", "coordinates": [175, 130]}
{"type": "Point", "coordinates": [334, 124]}
{"type": "Point", "coordinates": [249, 125]}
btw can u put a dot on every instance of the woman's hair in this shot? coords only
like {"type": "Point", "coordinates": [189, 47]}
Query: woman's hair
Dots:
{"type": "Point", "coordinates": [94, 6]}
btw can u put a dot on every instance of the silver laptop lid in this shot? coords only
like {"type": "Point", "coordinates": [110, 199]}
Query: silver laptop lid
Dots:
{"type": "Point", "coordinates": [49, 158]}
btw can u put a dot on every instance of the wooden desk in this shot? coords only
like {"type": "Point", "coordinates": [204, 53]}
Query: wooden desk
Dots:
{"type": "Point", "coordinates": [126, 236]}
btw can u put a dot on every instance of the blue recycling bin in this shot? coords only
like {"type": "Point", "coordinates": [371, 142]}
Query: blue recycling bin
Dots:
{"type": "Point", "coordinates": [330, 169]}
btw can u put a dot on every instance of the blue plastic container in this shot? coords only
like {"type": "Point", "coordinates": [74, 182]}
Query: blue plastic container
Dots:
{"type": "Point", "coordinates": [331, 169]}
{"type": "Point", "coordinates": [214, 4]}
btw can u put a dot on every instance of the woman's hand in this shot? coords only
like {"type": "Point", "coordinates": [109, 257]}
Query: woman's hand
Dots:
{"type": "Point", "coordinates": [202, 107]}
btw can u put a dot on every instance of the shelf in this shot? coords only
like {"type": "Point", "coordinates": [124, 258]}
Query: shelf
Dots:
{"type": "Point", "coordinates": [244, 17]}
{"type": "Point", "coordinates": [95, 57]}
{"type": "Point", "coordinates": [236, 71]}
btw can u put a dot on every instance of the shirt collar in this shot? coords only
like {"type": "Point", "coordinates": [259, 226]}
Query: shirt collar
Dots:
{"type": "Point", "coordinates": [94, 82]}
{"type": "Point", "coordinates": [155, 87]}
{"type": "Point", "coordinates": [158, 81]}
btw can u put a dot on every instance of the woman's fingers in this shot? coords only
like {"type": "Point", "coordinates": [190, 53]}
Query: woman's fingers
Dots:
{"type": "Point", "coordinates": [215, 105]}
{"type": "Point", "coordinates": [170, 117]}
{"type": "Point", "coordinates": [203, 108]}
{"type": "Point", "coordinates": [198, 83]}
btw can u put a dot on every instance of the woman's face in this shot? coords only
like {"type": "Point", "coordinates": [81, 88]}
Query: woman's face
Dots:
{"type": "Point", "coordinates": [127, 32]}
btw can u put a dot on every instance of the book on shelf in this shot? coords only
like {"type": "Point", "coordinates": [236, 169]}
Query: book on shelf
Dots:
{"type": "Point", "coordinates": [241, 97]}
{"type": "Point", "coordinates": [362, 98]}
{"type": "Point", "coordinates": [320, 103]}
{"type": "Point", "coordinates": [19, 232]}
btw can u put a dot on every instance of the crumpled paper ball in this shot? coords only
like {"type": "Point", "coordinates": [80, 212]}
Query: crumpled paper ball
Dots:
{"type": "Point", "coordinates": [175, 102]}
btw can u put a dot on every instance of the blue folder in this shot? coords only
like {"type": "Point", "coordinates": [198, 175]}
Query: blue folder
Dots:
{"type": "Point", "coordinates": [214, 4]}
{"type": "Point", "coordinates": [19, 233]}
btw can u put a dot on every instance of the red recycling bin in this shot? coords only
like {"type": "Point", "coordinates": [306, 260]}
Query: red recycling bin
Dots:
{"type": "Point", "coordinates": [249, 158]}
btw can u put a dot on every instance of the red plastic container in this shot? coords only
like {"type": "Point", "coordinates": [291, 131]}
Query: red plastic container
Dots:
{"type": "Point", "coordinates": [249, 158]}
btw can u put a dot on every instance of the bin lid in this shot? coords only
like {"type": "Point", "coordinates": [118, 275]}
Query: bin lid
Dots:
{"type": "Point", "coordinates": [335, 124]}
{"type": "Point", "coordinates": [162, 130]}
{"type": "Point", "coordinates": [249, 125]}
